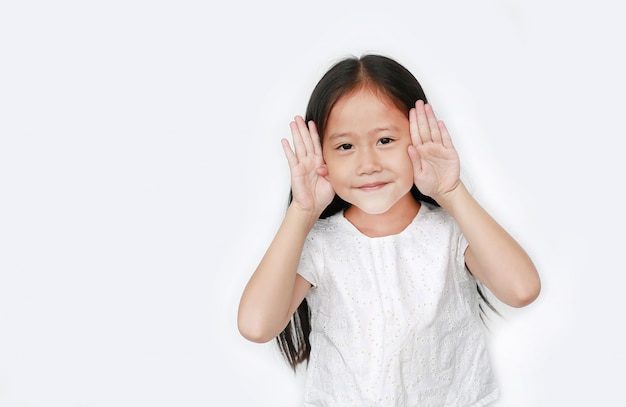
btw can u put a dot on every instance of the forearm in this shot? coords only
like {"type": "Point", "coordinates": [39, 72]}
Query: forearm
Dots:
{"type": "Point", "coordinates": [493, 256]}
{"type": "Point", "coordinates": [267, 299]}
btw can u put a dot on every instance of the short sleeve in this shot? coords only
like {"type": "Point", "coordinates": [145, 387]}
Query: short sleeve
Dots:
{"type": "Point", "coordinates": [310, 260]}
{"type": "Point", "coordinates": [461, 242]}
{"type": "Point", "coordinates": [460, 246]}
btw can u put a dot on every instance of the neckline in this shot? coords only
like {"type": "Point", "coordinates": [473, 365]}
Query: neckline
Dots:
{"type": "Point", "coordinates": [344, 221]}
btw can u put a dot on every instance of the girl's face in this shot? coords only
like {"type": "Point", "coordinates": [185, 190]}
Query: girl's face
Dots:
{"type": "Point", "coordinates": [365, 149]}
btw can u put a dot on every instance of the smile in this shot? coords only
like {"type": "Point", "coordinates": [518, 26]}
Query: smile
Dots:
{"type": "Point", "coordinates": [372, 187]}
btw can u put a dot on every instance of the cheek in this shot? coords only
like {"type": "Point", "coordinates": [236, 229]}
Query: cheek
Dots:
{"type": "Point", "coordinates": [403, 156]}
{"type": "Point", "coordinates": [335, 172]}
{"type": "Point", "coordinates": [338, 176]}
{"type": "Point", "coordinates": [405, 169]}
{"type": "Point", "coordinates": [334, 165]}
{"type": "Point", "coordinates": [406, 162]}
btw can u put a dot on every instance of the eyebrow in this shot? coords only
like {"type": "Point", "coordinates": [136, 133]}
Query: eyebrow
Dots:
{"type": "Point", "coordinates": [373, 131]}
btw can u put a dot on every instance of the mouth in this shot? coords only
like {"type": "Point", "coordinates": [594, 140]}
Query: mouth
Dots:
{"type": "Point", "coordinates": [372, 187]}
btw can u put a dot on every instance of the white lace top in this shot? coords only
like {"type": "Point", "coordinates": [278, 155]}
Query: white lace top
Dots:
{"type": "Point", "coordinates": [395, 319]}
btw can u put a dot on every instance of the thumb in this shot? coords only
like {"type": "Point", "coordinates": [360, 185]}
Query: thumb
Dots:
{"type": "Point", "coordinates": [414, 155]}
{"type": "Point", "coordinates": [322, 171]}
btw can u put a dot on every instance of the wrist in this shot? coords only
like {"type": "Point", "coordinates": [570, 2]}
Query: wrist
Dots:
{"type": "Point", "coordinates": [452, 198]}
{"type": "Point", "coordinates": [304, 216]}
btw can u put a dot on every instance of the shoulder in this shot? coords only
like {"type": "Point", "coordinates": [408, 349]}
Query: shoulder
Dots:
{"type": "Point", "coordinates": [328, 226]}
{"type": "Point", "coordinates": [435, 225]}
{"type": "Point", "coordinates": [325, 231]}
{"type": "Point", "coordinates": [325, 234]}
{"type": "Point", "coordinates": [435, 215]}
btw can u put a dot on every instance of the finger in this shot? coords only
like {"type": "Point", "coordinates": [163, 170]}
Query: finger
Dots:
{"type": "Point", "coordinates": [413, 130]}
{"type": "Point", "coordinates": [317, 143]}
{"type": "Point", "coordinates": [422, 122]}
{"type": "Point", "coordinates": [289, 154]}
{"type": "Point", "coordinates": [435, 134]}
{"type": "Point", "coordinates": [298, 144]}
{"type": "Point", "coordinates": [414, 155]}
{"type": "Point", "coordinates": [445, 135]}
{"type": "Point", "coordinates": [322, 171]}
{"type": "Point", "coordinates": [306, 135]}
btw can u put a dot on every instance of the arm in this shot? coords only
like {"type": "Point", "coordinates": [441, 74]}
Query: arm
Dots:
{"type": "Point", "coordinates": [493, 256]}
{"type": "Point", "coordinates": [275, 290]}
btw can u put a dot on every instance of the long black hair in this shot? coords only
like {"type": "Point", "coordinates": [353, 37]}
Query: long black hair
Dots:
{"type": "Point", "coordinates": [388, 78]}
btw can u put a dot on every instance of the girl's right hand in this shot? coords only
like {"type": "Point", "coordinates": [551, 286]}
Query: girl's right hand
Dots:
{"type": "Point", "coordinates": [311, 190]}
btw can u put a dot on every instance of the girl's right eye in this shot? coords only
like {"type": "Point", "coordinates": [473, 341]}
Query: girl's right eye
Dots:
{"type": "Point", "coordinates": [345, 146]}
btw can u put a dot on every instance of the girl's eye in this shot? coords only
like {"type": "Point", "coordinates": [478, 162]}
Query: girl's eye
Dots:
{"type": "Point", "coordinates": [345, 146]}
{"type": "Point", "coordinates": [385, 140]}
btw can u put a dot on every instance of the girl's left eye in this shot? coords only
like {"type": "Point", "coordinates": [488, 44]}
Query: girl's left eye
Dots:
{"type": "Point", "coordinates": [385, 140]}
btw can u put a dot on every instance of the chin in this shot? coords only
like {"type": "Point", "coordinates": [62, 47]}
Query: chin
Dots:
{"type": "Point", "coordinates": [373, 208]}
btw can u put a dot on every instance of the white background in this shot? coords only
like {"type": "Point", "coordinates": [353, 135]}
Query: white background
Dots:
{"type": "Point", "coordinates": [142, 178]}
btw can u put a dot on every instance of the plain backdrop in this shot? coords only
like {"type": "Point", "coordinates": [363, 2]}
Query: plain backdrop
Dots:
{"type": "Point", "coordinates": [142, 178]}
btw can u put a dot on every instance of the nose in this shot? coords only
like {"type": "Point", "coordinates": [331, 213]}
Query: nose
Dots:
{"type": "Point", "coordinates": [368, 161]}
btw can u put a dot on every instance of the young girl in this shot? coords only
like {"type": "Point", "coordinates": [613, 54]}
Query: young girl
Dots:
{"type": "Point", "coordinates": [374, 274]}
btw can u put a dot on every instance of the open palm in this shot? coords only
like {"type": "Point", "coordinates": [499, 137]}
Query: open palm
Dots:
{"type": "Point", "coordinates": [311, 191]}
{"type": "Point", "coordinates": [436, 166]}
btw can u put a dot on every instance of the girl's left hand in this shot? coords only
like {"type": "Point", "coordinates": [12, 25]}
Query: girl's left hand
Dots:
{"type": "Point", "coordinates": [436, 166]}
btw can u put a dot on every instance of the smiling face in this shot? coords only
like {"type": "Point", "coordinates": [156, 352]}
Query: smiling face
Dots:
{"type": "Point", "coordinates": [365, 149]}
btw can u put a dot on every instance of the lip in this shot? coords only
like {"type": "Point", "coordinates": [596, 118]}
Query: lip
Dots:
{"type": "Point", "coordinates": [374, 186]}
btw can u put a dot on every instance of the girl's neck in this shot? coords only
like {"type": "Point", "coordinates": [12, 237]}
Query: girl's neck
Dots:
{"type": "Point", "coordinates": [392, 222]}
